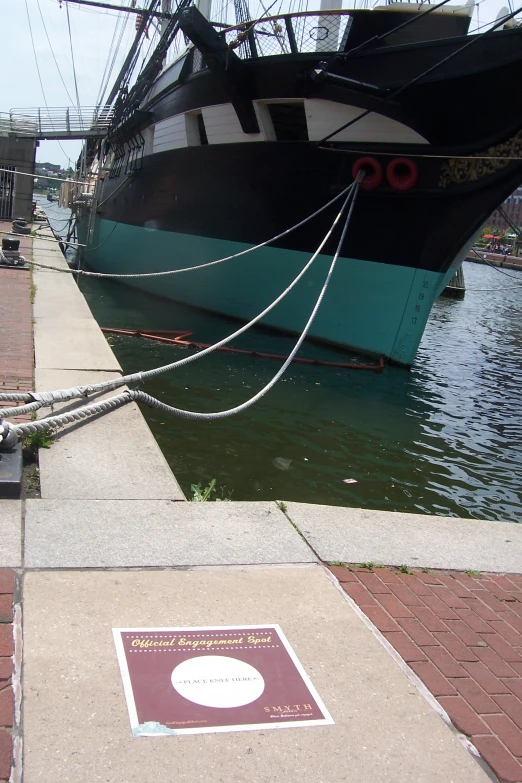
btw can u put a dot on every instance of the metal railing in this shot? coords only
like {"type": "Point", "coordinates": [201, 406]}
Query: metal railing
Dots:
{"type": "Point", "coordinates": [308, 31]}
{"type": "Point", "coordinates": [57, 123]}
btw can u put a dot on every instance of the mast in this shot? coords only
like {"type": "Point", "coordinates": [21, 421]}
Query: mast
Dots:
{"type": "Point", "coordinates": [328, 27]}
{"type": "Point", "coordinates": [166, 8]}
{"type": "Point", "coordinates": [131, 54]}
{"type": "Point", "coordinates": [204, 7]}
{"type": "Point", "coordinates": [126, 8]}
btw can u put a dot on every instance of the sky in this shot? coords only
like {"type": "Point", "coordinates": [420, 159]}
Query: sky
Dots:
{"type": "Point", "coordinates": [92, 31]}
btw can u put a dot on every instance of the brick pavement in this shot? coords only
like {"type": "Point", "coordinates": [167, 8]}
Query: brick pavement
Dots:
{"type": "Point", "coordinates": [16, 328]}
{"type": "Point", "coordinates": [462, 635]}
{"type": "Point", "coordinates": [7, 584]}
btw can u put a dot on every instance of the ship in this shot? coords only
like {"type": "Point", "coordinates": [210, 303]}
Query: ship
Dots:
{"type": "Point", "coordinates": [255, 126]}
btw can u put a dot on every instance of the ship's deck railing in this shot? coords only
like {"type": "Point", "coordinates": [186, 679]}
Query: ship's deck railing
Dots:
{"type": "Point", "coordinates": [56, 123]}
{"type": "Point", "coordinates": [307, 31]}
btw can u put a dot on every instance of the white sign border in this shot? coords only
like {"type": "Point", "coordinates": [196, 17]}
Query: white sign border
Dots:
{"type": "Point", "coordinates": [131, 704]}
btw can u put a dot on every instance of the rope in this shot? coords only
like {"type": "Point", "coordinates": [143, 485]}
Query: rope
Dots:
{"type": "Point", "coordinates": [58, 179]}
{"type": "Point", "coordinates": [12, 258]}
{"type": "Point", "coordinates": [199, 266]}
{"type": "Point", "coordinates": [494, 266]}
{"type": "Point", "coordinates": [72, 61]}
{"type": "Point", "coordinates": [45, 239]}
{"type": "Point", "coordinates": [121, 20]}
{"type": "Point", "coordinates": [9, 431]}
{"type": "Point", "coordinates": [36, 400]}
{"type": "Point", "coordinates": [39, 78]}
{"type": "Point", "coordinates": [348, 151]}
{"type": "Point", "coordinates": [52, 52]}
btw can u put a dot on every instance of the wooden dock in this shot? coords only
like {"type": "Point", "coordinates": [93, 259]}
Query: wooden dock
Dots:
{"type": "Point", "coordinates": [456, 288]}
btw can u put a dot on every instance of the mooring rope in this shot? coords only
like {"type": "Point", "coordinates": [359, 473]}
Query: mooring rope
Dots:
{"type": "Point", "coordinates": [10, 434]}
{"type": "Point", "coordinates": [37, 400]}
{"type": "Point", "coordinates": [495, 266]}
{"type": "Point", "coordinates": [114, 275]}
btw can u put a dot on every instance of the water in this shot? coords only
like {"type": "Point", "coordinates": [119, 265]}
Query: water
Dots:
{"type": "Point", "coordinates": [444, 438]}
{"type": "Point", "coordinates": [58, 216]}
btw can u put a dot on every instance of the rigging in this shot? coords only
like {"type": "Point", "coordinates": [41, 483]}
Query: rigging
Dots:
{"type": "Point", "coordinates": [72, 61]}
{"type": "Point", "coordinates": [38, 71]}
{"type": "Point", "coordinates": [52, 52]}
{"type": "Point", "coordinates": [114, 48]}
{"type": "Point", "coordinates": [112, 7]}
{"type": "Point", "coordinates": [422, 75]}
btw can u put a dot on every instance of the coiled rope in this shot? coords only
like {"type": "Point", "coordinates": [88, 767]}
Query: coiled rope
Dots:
{"type": "Point", "coordinates": [10, 433]}
{"type": "Point", "coordinates": [38, 400]}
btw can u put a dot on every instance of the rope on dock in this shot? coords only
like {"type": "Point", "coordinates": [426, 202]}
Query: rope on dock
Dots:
{"type": "Point", "coordinates": [46, 239]}
{"type": "Point", "coordinates": [36, 400]}
{"type": "Point", "coordinates": [10, 433]}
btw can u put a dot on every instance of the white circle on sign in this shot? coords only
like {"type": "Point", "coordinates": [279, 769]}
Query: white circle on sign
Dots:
{"type": "Point", "coordinates": [217, 681]}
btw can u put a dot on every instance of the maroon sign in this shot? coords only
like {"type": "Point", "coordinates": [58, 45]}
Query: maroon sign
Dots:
{"type": "Point", "coordinates": [227, 678]}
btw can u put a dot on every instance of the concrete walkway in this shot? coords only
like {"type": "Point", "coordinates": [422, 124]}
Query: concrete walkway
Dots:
{"type": "Point", "coordinates": [111, 543]}
{"type": "Point", "coordinates": [384, 730]}
{"type": "Point", "coordinates": [462, 635]}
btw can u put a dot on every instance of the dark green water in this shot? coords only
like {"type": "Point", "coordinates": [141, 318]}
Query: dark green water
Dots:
{"type": "Point", "coordinates": [443, 438]}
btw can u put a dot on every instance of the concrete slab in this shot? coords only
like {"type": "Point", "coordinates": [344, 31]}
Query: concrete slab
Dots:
{"type": "Point", "coordinates": [47, 252]}
{"type": "Point", "coordinates": [111, 533]}
{"type": "Point", "coordinates": [65, 334]}
{"type": "Point", "coordinates": [72, 344]}
{"type": "Point", "coordinates": [113, 456]}
{"type": "Point", "coordinates": [76, 726]}
{"type": "Point", "coordinates": [58, 297]}
{"type": "Point", "coordinates": [355, 535]}
{"type": "Point", "coordinates": [10, 533]}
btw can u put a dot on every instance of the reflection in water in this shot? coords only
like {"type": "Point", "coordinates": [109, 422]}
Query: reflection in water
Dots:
{"type": "Point", "coordinates": [444, 438]}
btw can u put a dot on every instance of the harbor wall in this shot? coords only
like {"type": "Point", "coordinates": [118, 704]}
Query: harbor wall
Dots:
{"type": "Point", "coordinates": [112, 456]}
{"type": "Point", "coordinates": [108, 476]}
{"type": "Point", "coordinates": [497, 259]}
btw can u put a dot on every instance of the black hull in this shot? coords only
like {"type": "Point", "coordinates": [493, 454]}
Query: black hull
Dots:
{"type": "Point", "coordinates": [445, 107]}
{"type": "Point", "coordinates": [251, 192]}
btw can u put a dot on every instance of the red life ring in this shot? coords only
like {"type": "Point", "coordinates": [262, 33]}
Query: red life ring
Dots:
{"type": "Point", "coordinates": [372, 172]}
{"type": "Point", "coordinates": [402, 174]}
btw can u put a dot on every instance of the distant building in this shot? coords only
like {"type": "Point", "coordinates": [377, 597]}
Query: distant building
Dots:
{"type": "Point", "coordinates": [49, 168]}
{"type": "Point", "coordinates": [513, 206]}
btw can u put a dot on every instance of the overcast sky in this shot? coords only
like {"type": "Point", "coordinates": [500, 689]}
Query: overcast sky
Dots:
{"type": "Point", "coordinates": [91, 32]}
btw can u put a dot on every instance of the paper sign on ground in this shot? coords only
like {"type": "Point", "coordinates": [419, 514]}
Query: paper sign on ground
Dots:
{"type": "Point", "coordinates": [224, 678]}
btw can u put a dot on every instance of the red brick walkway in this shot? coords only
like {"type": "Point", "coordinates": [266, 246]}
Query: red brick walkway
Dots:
{"type": "Point", "coordinates": [7, 582]}
{"type": "Point", "coordinates": [462, 635]}
{"type": "Point", "coordinates": [16, 329]}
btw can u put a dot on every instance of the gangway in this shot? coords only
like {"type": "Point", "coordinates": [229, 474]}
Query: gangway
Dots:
{"type": "Point", "coordinates": [57, 123]}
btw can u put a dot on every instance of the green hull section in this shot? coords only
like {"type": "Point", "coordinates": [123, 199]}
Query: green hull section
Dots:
{"type": "Point", "coordinates": [371, 307]}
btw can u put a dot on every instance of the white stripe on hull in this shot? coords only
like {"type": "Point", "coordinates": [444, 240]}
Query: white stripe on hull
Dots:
{"type": "Point", "coordinates": [322, 118]}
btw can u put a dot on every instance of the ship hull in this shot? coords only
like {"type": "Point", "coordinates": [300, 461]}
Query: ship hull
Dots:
{"type": "Point", "coordinates": [211, 166]}
{"type": "Point", "coordinates": [186, 207]}
{"type": "Point", "coordinates": [371, 307]}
